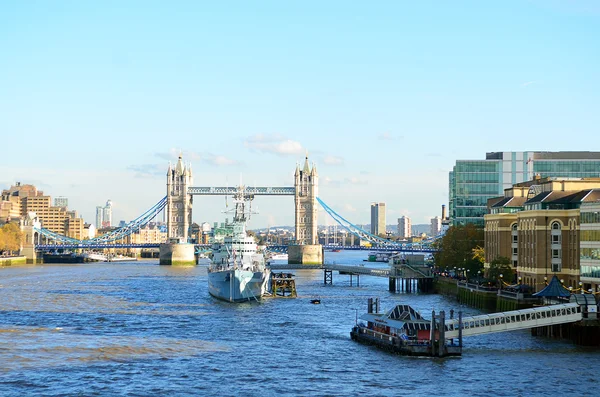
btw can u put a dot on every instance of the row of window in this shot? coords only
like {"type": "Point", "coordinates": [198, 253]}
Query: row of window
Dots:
{"type": "Point", "coordinates": [476, 177]}
{"type": "Point", "coordinates": [477, 188]}
{"type": "Point", "coordinates": [589, 235]}
{"type": "Point", "coordinates": [568, 168]}
{"type": "Point", "coordinates": [589, 253]}
{"type": "Point", "coordinates": [590, 217]}
{"type": "Point", "coordinates": [590, 271]}
{"type": "Point", "coordinates": [476, 166]}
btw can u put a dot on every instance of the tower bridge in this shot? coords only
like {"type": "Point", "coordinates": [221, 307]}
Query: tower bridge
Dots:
{"type": "Point", "coordinates": [180, 199]}
{"type": "Point", "coordinates": [177, 206]}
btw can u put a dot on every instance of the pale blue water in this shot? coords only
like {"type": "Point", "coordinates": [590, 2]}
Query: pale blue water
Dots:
{"type": "Point", "coordinates": [139, 329]}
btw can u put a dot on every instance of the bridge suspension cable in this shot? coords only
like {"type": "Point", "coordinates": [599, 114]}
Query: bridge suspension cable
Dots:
{"type": "Point", "coordinates": [373, 239]}
{"type": "Point", "coordinates": [117, 234]}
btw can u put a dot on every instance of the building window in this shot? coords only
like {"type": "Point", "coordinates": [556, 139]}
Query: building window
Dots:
{"type": "Point", "coordinates": [555, 239]}
{"type": "Point", "coordinates": [555, 254]}
{"type": "Point", "coordinates": [556, 267]}
{"type": "Point", "coordinates": [515, 251]}
{"type": "Point", "coordinates": [556, 226]}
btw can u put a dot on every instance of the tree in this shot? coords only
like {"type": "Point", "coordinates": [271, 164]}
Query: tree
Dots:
{"type": "Point", "coordinates": [501, 266]}
{"type": "Point", "coordinates": [456, 248]}
{"type": "Point", "coordinates": [10, 237]}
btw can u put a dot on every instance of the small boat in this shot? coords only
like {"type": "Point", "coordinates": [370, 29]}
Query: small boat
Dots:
{"type": "Point", "coordinates": [315, 301]}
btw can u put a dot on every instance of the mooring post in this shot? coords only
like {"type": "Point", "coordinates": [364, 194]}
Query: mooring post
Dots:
{"type": "Point", "coordinates": [432, 333]}
{"type": "Point", "coordinates": [392, 284]}
{"type": "Point", "coordinates": [442, 339]}
{"type": "Point", "coordinates": [460, 328]}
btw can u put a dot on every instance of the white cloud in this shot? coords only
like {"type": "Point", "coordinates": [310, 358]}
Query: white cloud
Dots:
{"type": "Point", "coordinates": [386, 136]}
{"type": "Point", "coordinates": [528, 83]}
{"type": "Point", "coordinates": [218, 160]}
{"type": "Point", "coordinates": [276, 144]}
{"type": "Point", "coordinates": [333, 160]}
{"type": "Point", "coordinates": [327, 181]}
{"type": "Point", "coordinates": [355, 181]}
{"type": "Point", "coordinates": [147, 170]}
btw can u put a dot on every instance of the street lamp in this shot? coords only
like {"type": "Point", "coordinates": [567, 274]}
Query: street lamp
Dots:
{"type": "Point", "coordinates": [501, 280]}
{"type": "Point", "coordinates": [580, 288]}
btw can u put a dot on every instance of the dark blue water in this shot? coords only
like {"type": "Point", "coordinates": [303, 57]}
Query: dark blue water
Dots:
{"type": "Point", "coordinates": [139, 329]}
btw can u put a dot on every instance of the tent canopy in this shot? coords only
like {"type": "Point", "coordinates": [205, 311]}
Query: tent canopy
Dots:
{"type": "Point", "coordinates": [553, 289]}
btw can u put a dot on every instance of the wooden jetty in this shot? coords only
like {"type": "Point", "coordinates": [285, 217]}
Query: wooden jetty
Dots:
{"type": "Point", "coordinates": [283, 285]}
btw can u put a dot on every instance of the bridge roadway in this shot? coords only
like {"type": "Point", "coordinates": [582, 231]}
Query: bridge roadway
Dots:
{"type": "Point", "coordinates": [514, 320]}
{"type": "Point", "coordinates": [46, 247]}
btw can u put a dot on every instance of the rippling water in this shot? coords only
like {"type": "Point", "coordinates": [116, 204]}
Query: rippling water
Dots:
{"type": "Point", "coordinates": [140, 329]}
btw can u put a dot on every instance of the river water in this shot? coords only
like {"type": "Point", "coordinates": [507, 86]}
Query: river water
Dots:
{"type": "Point", "coordinates": [139, 329]}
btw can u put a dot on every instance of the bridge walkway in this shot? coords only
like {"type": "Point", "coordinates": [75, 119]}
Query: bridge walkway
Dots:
{"type": "Point", "coordinates": [514, 320]}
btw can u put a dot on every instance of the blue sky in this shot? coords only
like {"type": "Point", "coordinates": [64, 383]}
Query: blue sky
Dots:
{"type": "Point", "coordinates": [96, 97]}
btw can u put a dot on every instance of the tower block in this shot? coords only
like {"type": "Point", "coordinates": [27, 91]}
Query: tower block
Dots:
{"type": "Point", "coordinates": [306, 249]}
{"type": "Point", "coordinates": [177, 251]}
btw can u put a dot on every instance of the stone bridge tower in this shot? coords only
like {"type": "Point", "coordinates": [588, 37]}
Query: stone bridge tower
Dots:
{"type": "Point", "coordinates": [306, 249]}
{"type": "Point", "coordinates": [306, 182]}
{"type": "Point", "coordinates": [179, 202]}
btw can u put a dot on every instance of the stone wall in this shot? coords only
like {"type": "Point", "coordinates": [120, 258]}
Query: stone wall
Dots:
{"type": "Point", "coordinates": [305, 254]}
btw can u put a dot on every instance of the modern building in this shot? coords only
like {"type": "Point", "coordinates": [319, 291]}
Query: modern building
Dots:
{"type": "Point", "coordinates": [536, 224]}
{"type": "Point", "coordinates": [436, 226]}
{"type": "Point", "coordinates": [378, 218]}
{"type": "Point", "coordinates": [404, 227]}
{"type": "Point", "coordinates": [473, 182]}
{"type": "Point", "coordinates": [61, 202]}
{"type": "Point", "coordinates": [589, 246]}
{"type": "Point", "coordinates": [20, 200]}
{"type": "Point", "coordinates": [104, 216]}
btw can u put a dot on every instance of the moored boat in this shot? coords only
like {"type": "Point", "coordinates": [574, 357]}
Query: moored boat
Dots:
{"type": "Point", "coordinates": [403, 330]}
{"type": "Point", "coordinates": [237, 272]}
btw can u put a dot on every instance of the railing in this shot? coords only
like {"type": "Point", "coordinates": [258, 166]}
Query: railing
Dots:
{"type": "Point", "coordinates": [513, 320]}
{"type": "Point", "coordinates": [476, 287]}
{"type": "Point", "coordinates": [359, 270]}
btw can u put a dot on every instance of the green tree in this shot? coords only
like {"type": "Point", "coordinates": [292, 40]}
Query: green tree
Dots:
{"type": "Point", "coordinates": [456, 248]}
{"type": "Point", "coordinates": [501, 266]}
{"type": "Point", "coordinates": [10, 238]}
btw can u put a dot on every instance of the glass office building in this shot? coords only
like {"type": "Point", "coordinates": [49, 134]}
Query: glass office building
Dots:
{"type": "Point", "coordinates": [473, 182]}
{"type": "Point", "coordinates": [589, 243]}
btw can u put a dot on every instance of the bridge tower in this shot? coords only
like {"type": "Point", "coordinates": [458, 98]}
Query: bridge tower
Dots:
{"type": "Point", "coordinates": [179, 202]}
{"type": "Point", "coordinates": [306, 182]}
{"type": "Point", "coordinates": [306, 249]}
{"type": "Point", "coordinates": [177, 251]}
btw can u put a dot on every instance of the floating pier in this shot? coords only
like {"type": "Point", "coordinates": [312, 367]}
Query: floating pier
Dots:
{"type": "Point", "coordinates": [402, 330]}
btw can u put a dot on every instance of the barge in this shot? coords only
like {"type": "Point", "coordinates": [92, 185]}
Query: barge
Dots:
{"type": "Point", "coordinates": [404, 331]}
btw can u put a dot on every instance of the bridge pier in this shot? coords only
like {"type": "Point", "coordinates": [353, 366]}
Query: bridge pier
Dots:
{"type": "Point", "coordinates": [307, 254]}
{"type": "Point", "coordinates": [177, 254]}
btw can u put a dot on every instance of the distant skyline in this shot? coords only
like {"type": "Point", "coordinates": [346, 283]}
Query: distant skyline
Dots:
{"type": "Point", "coordinates": [97, 98]}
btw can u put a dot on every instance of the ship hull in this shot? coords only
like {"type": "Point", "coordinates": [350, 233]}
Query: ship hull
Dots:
{"type": "Point", "coordinates": [237, 285]}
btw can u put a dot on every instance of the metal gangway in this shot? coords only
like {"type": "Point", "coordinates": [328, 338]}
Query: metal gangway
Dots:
{"type": "Point", "coordinates": [360, 270]}
{"type": "Point", "coordinates": [514, 320]}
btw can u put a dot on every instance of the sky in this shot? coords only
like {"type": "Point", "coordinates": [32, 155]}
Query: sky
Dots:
{"type": "Point", "coordinates": [97, 97]}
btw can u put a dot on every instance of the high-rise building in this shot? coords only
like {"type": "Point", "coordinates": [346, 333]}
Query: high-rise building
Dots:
{"type": "Point", "coordinates": [99, 216]}
{"type": "Point", "coordinates": [61, 202]}
{"type": "Point", "coordinates": [404, 227]}
{"type": "Point", "coordinates": [20, 200]}
{"type": "Point", "coordinates": [436, 226]}
{"type": "Point", "coordinates": [473, 182]}
{"type": "Point", "coordinates": [104, 216]}
{"type": "Point", "coordinates": [378, 218]}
